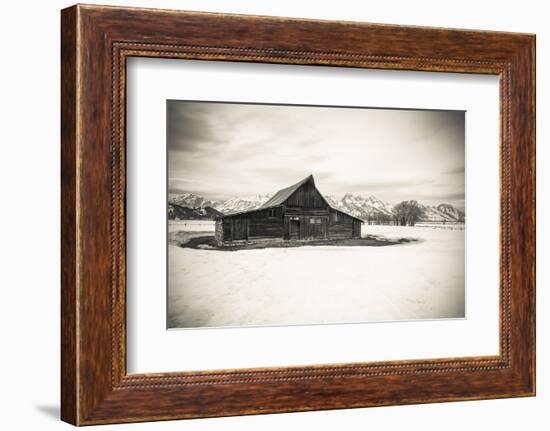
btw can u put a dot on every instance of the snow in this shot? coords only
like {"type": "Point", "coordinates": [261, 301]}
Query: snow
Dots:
{"type": "Point", "coordinates": [319, 284]}
{"type": "Point", "coordinates": [191, 225]}
{"type": "Point", "coordinates": [238, 204]}
{"type": "Point", "coordinates": [354, 204]}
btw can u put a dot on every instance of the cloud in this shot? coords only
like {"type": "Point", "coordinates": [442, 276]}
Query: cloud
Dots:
{"type": "Point", "coordinates": [228, 149]}
{"type": "Point", "coordinates": [192, 130]}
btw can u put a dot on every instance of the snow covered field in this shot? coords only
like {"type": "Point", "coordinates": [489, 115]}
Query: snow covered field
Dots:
{"type": "Point", "coordinates": [191, 225]}
{"type": "Point", "coordinates": [319, 284]}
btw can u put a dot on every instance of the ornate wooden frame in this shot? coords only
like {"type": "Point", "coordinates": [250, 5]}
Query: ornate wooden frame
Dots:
{"type": "Point", "coordinates": [95, 42]}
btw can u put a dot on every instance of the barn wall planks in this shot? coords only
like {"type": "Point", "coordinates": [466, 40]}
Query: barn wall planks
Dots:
{"type": "Point", "coordinates": [303, 212]}
{"type": "Point", "coordinates": [343, 226]}
{"type": "Point", "coordinates": [307, 196]}
{"type": "Point", "coordinates": [218, 232]}
{"type": "Point", "coordinates": [342, 230]}
{"type": "Point", "coordinates": [356, 232]}
{"type": "Point", "coordinates": [268, 228]}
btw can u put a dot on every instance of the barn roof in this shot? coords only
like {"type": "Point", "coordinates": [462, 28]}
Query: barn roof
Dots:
{"type": "Point", "coordinates": [282, 195]}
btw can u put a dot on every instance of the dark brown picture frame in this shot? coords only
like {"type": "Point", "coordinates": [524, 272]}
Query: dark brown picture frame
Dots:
{"type": "Point", "coordinates": [95, 43]}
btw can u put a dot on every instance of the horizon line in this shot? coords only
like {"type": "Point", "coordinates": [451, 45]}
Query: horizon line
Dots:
{"type": "Point", "coordinates": [338, 197]}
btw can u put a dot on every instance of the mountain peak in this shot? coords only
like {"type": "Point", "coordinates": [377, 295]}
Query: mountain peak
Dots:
{"type": "Point", "coordinates": [365, 208]}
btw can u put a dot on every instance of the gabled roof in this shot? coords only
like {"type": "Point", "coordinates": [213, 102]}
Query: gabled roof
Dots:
{"type": "Point", "coordinates": [349, 215]}
{"type": "Point", "coordinates": [282, 195]}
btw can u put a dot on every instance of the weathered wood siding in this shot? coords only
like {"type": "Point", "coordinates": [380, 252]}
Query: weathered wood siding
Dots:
{"type": "Point", "coordinates": [293, 229]}
{"type": "Point", "coordinates": [303, 216]}
{"type": "Point", "coordinates": [218, 232]}
{"type": "Point", "coordinates": [306, 196]}
{"type": "Point", "coordinates": [315, 228]}
{"type": "Point", "coordinates": [259, 224]}
{"type": "Point", "coordinates": [356, 229]}
{"type": "Point", "coordinates": [227, 230]}
{"type": "Point", "coordinates": [269, 213]}
{"type": "Point", "coordinates": [267, 228]}
{"type": "Point", "coordinates": [340, 230]}
{"type": "Point", "coordinates": [342, 226]}
{"type": "Point", "coordinates": [240, 229]}
{"type": "Point", "coordinates": [306, 226]}
{"type": "Point", "coordinates": [306, 212]}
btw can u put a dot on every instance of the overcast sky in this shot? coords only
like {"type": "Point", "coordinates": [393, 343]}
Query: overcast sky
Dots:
{"type": "Point", "coordinates": [222, 150]}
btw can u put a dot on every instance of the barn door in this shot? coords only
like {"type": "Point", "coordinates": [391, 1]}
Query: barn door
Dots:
{"type": "Point", "coordinates": [240, 229]}
{"type": "Point", "coordinates": [316, 228]}
{"type": "Point", "coordinates": [294, 229]}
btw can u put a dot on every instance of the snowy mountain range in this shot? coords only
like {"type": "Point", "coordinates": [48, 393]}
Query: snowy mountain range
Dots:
{"type": "Point", "coordinates": [190, 200]}
{"type": "Point", "coordinates": [178, 212]}
{"type": "Point", "coordinates": [357, 205]}
{"type": "Point", "coordinates": [234, 205]}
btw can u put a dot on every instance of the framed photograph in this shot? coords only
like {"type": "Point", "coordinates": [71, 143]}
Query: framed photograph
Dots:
{"type": "Point", "coordinates": [303, 254]}
{"type": "Point", "coordinates": [263, 214]}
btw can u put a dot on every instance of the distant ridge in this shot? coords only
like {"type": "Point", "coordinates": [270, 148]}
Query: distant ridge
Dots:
{"type": "Point", "coordinates": [177, 212]}
{"type": "Point", "coordinates": [366, 208]}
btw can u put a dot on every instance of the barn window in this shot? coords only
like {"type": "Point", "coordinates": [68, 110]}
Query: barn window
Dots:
{"type": "Point", "coordinates": [335, 216]}
{"type": "Point", "coordinates": [272, 213]}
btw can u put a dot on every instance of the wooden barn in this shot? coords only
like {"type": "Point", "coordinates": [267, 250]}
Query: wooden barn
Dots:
{"type": "Point", "coordinates": [298, 212]}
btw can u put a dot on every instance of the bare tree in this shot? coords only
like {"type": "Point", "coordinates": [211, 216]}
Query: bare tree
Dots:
{"type": "Point", "coordinates": [407, 213]}
{"type": "Point", "coordinates": [378, 218]}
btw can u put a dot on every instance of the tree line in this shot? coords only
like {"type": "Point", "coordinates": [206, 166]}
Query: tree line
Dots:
{"type": "Point", "coordinates": [406, 213]}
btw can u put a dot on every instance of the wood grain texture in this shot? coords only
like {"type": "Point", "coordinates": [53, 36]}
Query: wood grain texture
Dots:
{"type": "Point", "coordinates": [297, 212]}
{"type": "Point", "coordinates": [69, 365]}
{"type": "Point", "coordinates": [96, 41]}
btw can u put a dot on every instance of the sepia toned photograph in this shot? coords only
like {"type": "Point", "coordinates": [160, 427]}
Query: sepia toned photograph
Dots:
{"type": "Point", "coordinates": [303, 215]}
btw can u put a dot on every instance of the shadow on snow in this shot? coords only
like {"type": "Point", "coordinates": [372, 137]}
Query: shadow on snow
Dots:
{"type": "Point", "coordinates": [206, 241]}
